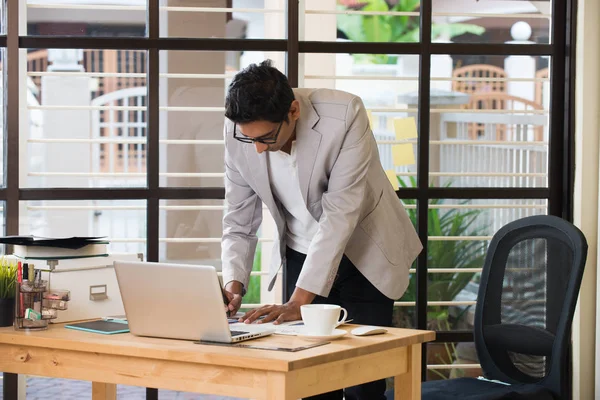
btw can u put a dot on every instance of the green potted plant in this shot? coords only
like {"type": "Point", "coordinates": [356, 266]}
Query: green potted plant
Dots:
{"type": "Point", "coordinates": [391, 28]}
{"type": "Point", "coordinates": [8, 279]}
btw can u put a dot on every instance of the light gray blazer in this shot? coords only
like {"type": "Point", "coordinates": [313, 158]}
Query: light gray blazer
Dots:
{"type": "Point", "coordinates": [344, 187]}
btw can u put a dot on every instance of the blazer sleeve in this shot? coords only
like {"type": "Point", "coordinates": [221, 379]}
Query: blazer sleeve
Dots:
{"type": "Point", "coordinates": [242, 218]}
{"type": "Point", "coordinates": [342, 203]}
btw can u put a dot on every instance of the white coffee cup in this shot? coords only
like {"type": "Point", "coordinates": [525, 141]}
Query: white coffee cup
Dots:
{"type": "Point", "coordinates": [322, 319]}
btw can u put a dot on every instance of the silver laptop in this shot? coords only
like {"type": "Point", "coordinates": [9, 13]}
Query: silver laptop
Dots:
{"type": "Point", "coordinates": [178, 301]}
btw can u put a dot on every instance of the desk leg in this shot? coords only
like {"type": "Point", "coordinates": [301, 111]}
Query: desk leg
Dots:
{"type": "Point", "coordinates": [408, 385]}
{"type": "Point", "coordinates": [104, 391]}
{"type": "Point", "coordinates": [10, 386]}
{"type": "Point", "coordinates": [277, 387]}
{"type": "Point", "coordinates": [151, 394]}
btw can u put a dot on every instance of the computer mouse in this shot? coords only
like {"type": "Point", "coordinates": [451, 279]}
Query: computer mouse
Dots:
{"type": "Point", "coordinates": [368, 330]}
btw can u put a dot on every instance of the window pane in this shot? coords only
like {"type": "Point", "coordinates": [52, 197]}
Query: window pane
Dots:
{"type": "Point", "coordinates": [87, 118]}
{"type": "Point", "coordinates": [3, 18]}
{"type": "Point", "coordinates": [246, 19]}
{"type": "Point", "coordinates": [191, 230]}
{"type": "Point", "coordinates": [405, 315]}
{"type": "Point", "coordinates": [86, 18]}
{"type": "Point", "coordinates": [193, 87]}
{"type": "Point", "coordinates": [361, 21]}
{"type": "Point", "coordinates": [459, 234]}
{"type": "Point", "coordinates": [452, 360]}
{"type": "Point", "coordinates": [496, 21]}
{"type": "Point", "coordinates": [2, 113]}
{"type": "Point", "coordinates": [489, 121]}
{"type": "Point", "coordinates": [383, 87]}
{"type": "Point", "coordinates": [405, 310]}
{"type": "Point", "coordinates": [2, 224]}
{"type": "Point", "coordinates": [123, 222]}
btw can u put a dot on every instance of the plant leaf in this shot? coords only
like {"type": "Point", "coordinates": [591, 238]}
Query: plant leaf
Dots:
{"type": "Point", "coordinates": [377, 27]}
{"type": "Point", "coordinates": [351, 25]}
{"type": "Point", "coordinates": [412, 35]}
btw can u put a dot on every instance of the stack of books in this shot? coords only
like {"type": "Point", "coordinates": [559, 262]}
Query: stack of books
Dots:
{"type": "Point", "coordinates": [38, 248]}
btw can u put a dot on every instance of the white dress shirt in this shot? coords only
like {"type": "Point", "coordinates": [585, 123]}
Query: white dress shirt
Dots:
{"type": "Point", "coordinates": [283, 173]}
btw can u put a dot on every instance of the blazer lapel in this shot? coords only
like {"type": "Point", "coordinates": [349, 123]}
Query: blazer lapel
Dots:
{"type": "Point", "coordinates": [308, 141]}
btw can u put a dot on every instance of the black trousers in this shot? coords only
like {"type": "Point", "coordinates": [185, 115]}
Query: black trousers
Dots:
{"type": "Point", "coordinates": [365, 305]}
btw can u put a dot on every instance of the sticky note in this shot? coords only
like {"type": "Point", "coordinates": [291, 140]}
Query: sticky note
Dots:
{"type": "Point", "coordinates": [403, 154]}
{"type": "Point", "coordinates": [405, 128]}
{"type": "Point", "coordinates": [370, 115]}
{"type": "Point", "coordinates": [392, 178]}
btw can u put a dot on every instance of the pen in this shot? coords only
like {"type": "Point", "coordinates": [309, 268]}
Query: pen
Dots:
{"type": "Point", "coordinates": [31, 273]}
{"type": "Point", "coordinates": [21, 313]}
{"type": "Point", "coordinates": [25, 272]}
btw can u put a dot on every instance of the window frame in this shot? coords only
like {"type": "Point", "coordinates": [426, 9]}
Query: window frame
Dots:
{"type": "Point", "coordinates": [561, 162]}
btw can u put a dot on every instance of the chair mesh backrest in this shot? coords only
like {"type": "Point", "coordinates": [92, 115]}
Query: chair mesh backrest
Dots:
{"type": "Point", "coordinates": [527, 296]}
{"type": "Point", "coordinates": [534, 288]}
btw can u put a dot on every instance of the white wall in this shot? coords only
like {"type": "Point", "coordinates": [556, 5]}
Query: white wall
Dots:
{"type": "Point", "coordinates": [585, 373]}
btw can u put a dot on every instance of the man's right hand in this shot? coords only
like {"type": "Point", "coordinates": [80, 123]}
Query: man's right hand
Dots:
{"type": "Point", "coordinates": [233, 291]}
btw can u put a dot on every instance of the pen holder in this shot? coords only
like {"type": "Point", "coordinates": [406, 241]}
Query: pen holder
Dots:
{"type": "Point", "coordinates": [28, 306]}
{"type": "Point", "coordinates": [55, 299]}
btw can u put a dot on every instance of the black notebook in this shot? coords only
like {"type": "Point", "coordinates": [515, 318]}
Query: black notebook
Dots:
{"type": "Point", "coordinates": [101, 326]}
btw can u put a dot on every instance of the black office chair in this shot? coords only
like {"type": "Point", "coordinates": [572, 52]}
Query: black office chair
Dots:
{"type": "Point", "coordinates": [525, 305]}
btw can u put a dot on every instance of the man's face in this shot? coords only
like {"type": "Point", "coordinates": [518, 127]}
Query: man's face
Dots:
{"type": "Point", "coordinates": [266, 130]}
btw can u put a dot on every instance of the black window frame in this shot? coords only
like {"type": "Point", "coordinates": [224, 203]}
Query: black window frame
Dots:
{"type": "Point", "coordinates": [559, 192]}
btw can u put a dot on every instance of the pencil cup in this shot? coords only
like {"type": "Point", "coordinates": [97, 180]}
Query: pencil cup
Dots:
{"type": "Point", "coordinates": [29, 313]}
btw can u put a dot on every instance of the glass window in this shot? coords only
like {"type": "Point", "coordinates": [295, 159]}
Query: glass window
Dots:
{"type": "Point", "coordinates": [122, 222]}
{"type": "Point", "coordinates": [242, 19]}
{"type": "Point", "coordinates": [504, 21]}
{"type": "Point", "coordinates": [85, 18]}
{"type": "Point", "coordinates": [84, 126]}
{"type": "Point", "coordinates": [2, 224]}
{"type": "Point", "coordinates": [489, 121]}
{"type": "Point", "coordinates": [2, 113]}
{"type": "Point", "coordinates": [362, 21]}
{"type": "Point", "coordinates": [86, 118]}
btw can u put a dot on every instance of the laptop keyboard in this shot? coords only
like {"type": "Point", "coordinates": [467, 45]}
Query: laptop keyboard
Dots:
{"type": "Point", "coordinates": [238, 333]}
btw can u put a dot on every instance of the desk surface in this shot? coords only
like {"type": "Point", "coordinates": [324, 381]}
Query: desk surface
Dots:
{"type": "Point", "coordinates": [349, 346]}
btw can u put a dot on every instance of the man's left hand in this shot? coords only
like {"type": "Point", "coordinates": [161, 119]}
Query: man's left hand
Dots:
{"type": "Point", "coordinates": [289, 311]}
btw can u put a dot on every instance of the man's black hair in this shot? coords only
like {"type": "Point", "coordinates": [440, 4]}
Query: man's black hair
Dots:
{"type": "Point", "coordinates": [259, 93]}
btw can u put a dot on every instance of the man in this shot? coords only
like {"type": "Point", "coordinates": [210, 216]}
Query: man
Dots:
{"type": "Point", "coordinates": [342, 234]}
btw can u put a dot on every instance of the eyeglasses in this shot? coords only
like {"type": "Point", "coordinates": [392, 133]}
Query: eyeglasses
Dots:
{"type": "Point", "coordinates": [261, 139]}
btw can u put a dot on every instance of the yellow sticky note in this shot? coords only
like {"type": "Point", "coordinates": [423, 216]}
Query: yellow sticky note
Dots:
{"type": "Point", "coordinates": [403, 154]}
{"type": "Point", "coordinates": [370, 115]}
{"type": "Point", "coordinates": [392, 178]}
{"type": "Point", "coordinates": [405, 128]}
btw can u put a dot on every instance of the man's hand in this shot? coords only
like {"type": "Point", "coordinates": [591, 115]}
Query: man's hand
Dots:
{"type": "Point", "coordinates": [289, 311]}
{"type": "Point", "coordinates": [233, 292]}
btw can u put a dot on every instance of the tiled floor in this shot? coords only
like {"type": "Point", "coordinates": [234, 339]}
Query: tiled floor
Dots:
{"type": "Point", "coordinates": [63, 389]}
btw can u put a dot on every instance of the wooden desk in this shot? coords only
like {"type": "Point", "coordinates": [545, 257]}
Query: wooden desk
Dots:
{"type": "Point", "coordinates": [184, 366]}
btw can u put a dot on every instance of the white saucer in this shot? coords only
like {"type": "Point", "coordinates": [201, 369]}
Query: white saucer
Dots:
{"type": "Point", "coordinates": [336, 334]}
